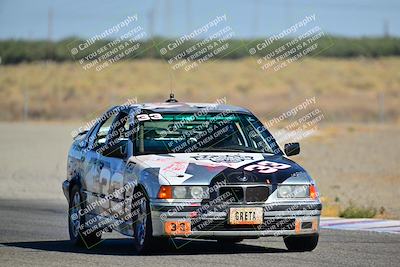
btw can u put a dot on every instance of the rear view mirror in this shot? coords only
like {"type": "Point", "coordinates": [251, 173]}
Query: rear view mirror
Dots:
{"type": "Point", "coordinates": [292, 149]}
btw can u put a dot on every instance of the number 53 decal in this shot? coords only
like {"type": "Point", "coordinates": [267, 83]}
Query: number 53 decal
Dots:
{"type": "Point", "coordinates": [267, 167]}
{"type": "Point", "coordinates": [147, 117]}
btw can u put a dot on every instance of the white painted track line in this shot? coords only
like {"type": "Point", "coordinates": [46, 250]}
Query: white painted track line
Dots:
{"type": "Point", "coordinates": [375, 225]}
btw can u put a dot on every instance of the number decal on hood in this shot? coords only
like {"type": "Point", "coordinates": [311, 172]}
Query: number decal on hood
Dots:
{"type": "Point", "coordinates": [267, 167]}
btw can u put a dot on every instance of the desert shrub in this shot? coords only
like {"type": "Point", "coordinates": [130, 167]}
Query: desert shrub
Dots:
{"type": "Point", "coordinates": [354, 211]}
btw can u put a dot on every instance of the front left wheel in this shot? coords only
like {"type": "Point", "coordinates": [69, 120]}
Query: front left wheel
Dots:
{"type": "Point", "coordinates": [78, 233]}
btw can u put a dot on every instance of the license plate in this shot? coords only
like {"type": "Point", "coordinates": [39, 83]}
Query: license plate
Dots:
{"type": "Point", "coordinates": [245, 215]}
{"type": "Point", "coordinates": [177, 228]}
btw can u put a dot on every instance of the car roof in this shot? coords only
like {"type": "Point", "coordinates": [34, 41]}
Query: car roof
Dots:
{"type": "Point", "coordinates": [182, 107]}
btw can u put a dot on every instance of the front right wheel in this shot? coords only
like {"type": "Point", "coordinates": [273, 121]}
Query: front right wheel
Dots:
{"type": "Point", "coordinates": [142, 229]}
{"type": "Point", "coordinates": [301, 243]}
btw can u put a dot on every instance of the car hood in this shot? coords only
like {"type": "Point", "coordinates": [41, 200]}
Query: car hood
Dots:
{"type": "Point", "coordinates": [210, 168]}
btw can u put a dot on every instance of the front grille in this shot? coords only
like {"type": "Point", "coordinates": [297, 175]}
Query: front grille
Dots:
{"type": "Point", "coordinates": [271, 224]}
{"type": "Point", "coordinates": [257, 193]}
{"type": "Point", "coordinates": [234, 194]}
{"type": "Point", "coordinates": [244, 193]}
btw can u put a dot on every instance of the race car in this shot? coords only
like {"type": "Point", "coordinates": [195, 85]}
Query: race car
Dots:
{"type": "Point", "coordinates": [157, 171]}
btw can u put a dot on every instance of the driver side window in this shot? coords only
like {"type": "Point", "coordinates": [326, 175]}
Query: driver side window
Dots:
{"type": "Point", "coordinates": [101, 135]}
{"type": "Point", "coordinates": [118, 137]}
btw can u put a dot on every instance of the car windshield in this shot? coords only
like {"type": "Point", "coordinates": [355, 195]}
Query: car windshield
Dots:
{"type": "Point", "coordinates": [186, 133]}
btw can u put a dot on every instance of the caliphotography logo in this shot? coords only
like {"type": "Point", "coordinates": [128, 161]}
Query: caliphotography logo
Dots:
{"type": "Point", "coordinates": [197, 133]}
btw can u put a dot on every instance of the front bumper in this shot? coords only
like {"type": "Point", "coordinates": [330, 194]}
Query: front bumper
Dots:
{"type": "Point", "coordinates": [279, 219]}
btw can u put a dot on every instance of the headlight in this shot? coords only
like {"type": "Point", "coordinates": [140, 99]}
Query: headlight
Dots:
{"type": "Point", "coordinates": [295, 191]}
{"type": "Point", "coordinates": [197, 192]}
{"type": "Point", "coordinates": [284, 191]}
{"type": "Point", "coordinates": [179, 192]}
{"type": "Point", "coordinates": [184, 192]}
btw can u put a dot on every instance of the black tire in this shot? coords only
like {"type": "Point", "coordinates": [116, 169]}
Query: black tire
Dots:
{"type": "Point", "coordinates": [301, 243]}
{"type": "Point", "coordinates": [142, 227]}
{"type": "Point", "coordinates": [76, 222]}
{"type": "Point", "coordinates": [229, 240]}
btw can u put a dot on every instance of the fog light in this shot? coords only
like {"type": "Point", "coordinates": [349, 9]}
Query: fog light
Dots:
{"type": "Point", "coordinates": [297, 226]}
{"type": "Point", "coordinates": [315, 225]}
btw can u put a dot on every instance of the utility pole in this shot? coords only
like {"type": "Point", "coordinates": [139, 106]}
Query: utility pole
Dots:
{"type": "Point", "coordinates": [288, 5]}
{"type": "Point", "coordinates": [150, 17]}
{"type": "Point", "coordinates": [188, 16]}
{"type": "Point", "coordinates": [49, 24]}
{"type": "Point", "coordinates": [256, 17]}
{"type": "Point", "coordinates": [386, 33]}
{"type": "Point", "coordinates": [168, 23]}
{"type": "Point", "coordinates": [49, 31]}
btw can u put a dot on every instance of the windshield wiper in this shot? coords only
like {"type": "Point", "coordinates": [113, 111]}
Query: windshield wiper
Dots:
{"type": "Point", "coordinates": [218, 149]}
{"type": "Point", "coordinates": [250, 149]}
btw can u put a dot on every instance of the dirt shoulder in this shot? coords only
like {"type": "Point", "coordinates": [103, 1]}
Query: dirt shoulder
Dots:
{"type": "Point", "coordinates": [355, 163]}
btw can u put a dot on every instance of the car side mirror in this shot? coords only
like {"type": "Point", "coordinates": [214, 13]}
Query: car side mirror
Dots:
{"type": "Point", "coordinates": [123, 151]}
{"type": "Point", "coordinates": [292, 149]}
{"type": "Point", "coordinates": [118, 150]}
{"type": "Point", "coordinates": [83, 143]}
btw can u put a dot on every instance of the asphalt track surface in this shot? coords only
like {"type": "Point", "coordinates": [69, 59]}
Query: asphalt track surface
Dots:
{"type": "Point", "coordinates": [34, 233]}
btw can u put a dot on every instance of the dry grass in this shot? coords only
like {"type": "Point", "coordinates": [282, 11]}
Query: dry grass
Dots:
{"type": "Point", "coordinates": [346, 90]}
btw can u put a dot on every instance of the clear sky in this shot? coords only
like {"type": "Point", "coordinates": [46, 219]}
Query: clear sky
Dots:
{"type": "Point", "coordinates": [29, 19]}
